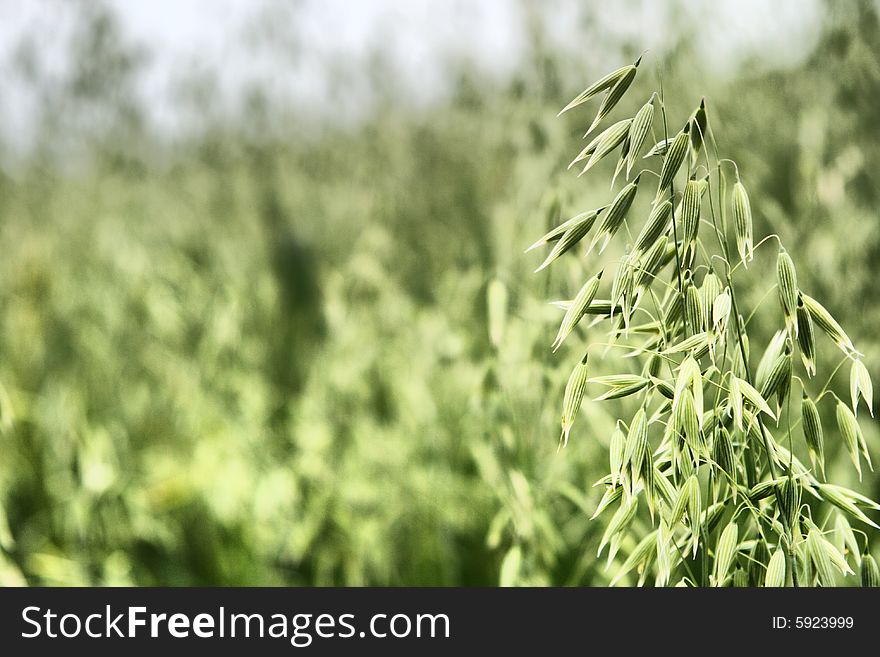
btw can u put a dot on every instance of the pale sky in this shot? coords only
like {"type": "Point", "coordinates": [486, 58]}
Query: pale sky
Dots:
{"type": "Point", "coordinates": [297, 39]}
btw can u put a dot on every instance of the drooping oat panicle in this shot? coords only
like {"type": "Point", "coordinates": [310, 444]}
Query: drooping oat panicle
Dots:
{"type": "Point", "coordinates": [600, 85]}
{"type": "Point", "coordinates": [851, 434]}
{"type": "Point", "coordinates": [571, 400]}
{"type": "Point", "coordinates": [828, 324]}
{"type": "Point", "coordinates": [813, 436]}
{"type": "Point", "coordinates": [725, 551]}
{"type": "Point", "coordinates": [556, 233]}
{"type": "Point", "coordinates": [674, 158]}
{"type": "Point", "coordinates": [806, 337]}
{"type": "Point", "coordinates": [860, 384]}
{"type": "Point", "coordinates": [576, 309]}
{"type": "Point", "coordinates": [638, 131]}
{"type": "Point", "coordinates": [613, 217]}
{"type": "Point", "coordinates": [569, 239]}
{"type": "Point", "coordinates": [655, 226]}
{"type": "Point", "coordinates": [689, 219]}
{"type": "Point", "coordinates": [775, 576]}
{"type": "Point", "coordinates": [786, 280]}
{"type": "Point", "coordinates": [615, 93]}
{"type": "Point", "coordinates": [742, 218]}
{"type": "Point", "coordinates": [869, 574]}
{"type": "Point", "coordinates": [701, 444]}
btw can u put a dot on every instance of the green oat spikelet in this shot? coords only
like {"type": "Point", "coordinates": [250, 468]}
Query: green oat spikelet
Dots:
{"type": "Point", "coordinates": [828, 324]}
{"type": "Point", "coordinates": [788, 496]}
{"type": "Point", "coordinates": [616, 452]}
{"type": "Point", "coordinates": [605, 142]}
{"type": "Point", "coordinates": [812, 425]}
{"type": "Point", "coordinates": [725, 551]}
{"type": "Point", "coordinates": [602, 84]}
{"type": "Point", "coordinates": [851, 434]}
{"type": "Point", "coordinates": [614, 215]}
{"type": "Point", "coordinates": [778, 381]}
{"type": "Point", "coordinates": [606, 145]}
{"type": "Point", "coordinates": [806, 337]}
{"type": "Point", "coordinates": [690, 211]}
{"type": "Point", "coordinates": [556, 233]}
{"type": "Point", "coordinates": [655, 226]}
{"type": "Point", "coordinates": [660, 148]}
{"type": "Point", "coordinates": [614, 94]}
{"type": "Point", "coordinates": [754, 397]}
{"type": "Point", "coordinates": [860, 384]}
{"type": "Point", "coordinates": [699, 122]}
{"type": "Point", "coordinates": [869, 574]}
{"type": "Point", "coordinates": [576, 309]}
{"type": "Point", "coordinates": [569, 239]}
{"type": "Point", "coordinates": [636, 446]}
{"type": "Point", "coordinates": [694, 310]}
{"type": "Point", "coordinates": [775, 576]}
{"type": "Point", "coordinates": [694, 509]}
{"type": "Point", "coordinates": [673, 159]}
{"type": "Point", "coordinates": [742, 218]}
{"type": "Point", "coordinates": [638, 131]}
{"type": "Point", "coordinates": [786, 279]}
{"type": "Point", "coordinates": [571, 401]}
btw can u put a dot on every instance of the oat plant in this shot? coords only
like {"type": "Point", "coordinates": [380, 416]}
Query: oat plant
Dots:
{"type": "Point", "coordinates": [704, 487]}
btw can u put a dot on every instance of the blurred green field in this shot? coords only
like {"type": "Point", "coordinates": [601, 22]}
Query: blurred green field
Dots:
{"type": "Point", "coordinates": [255, 355]}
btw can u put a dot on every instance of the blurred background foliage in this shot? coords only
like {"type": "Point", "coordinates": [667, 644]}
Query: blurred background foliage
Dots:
{"type": "Point", "coordinates": [282, 347]}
